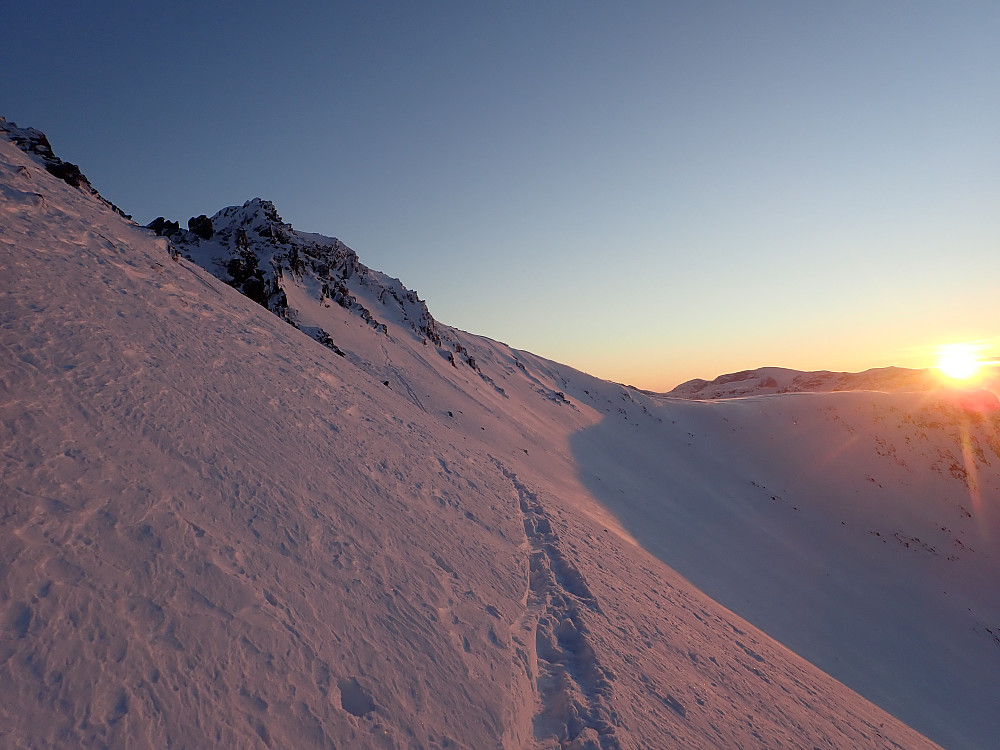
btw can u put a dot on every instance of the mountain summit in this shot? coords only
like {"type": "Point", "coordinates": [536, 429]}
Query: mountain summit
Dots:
{"type": "Point", "coordinates": [253, 250]}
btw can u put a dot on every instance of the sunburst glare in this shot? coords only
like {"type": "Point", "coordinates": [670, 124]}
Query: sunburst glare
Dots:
{"type": "Point", "coordinates": [960, 361]}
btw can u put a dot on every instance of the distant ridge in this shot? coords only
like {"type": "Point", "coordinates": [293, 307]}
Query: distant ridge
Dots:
{"type": "Point", "coordinates": [768, 380]}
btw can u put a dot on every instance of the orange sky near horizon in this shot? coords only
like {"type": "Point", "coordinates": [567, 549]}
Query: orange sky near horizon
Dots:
{"type": "Point", "coordinates": [659, 371]}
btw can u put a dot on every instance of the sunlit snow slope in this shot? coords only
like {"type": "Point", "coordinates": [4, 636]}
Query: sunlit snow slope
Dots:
{"type": "Point", "coordinates": [217, 531]}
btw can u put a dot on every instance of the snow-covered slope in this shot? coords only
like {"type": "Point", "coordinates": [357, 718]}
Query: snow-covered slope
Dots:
{"type": "Point", "coordinates": [870, 498]}
{"type": "Point", "coordinates": [861, 529]}
{"type": "Point", "coordinates": [217, 531]}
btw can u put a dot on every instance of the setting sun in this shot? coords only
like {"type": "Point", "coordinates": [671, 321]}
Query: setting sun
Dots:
{"type": "Point", "coordinates": [959, 361]}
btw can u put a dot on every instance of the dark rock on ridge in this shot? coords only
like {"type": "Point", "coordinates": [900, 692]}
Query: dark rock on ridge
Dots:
{"type": "Point", "coordinates": [35, 143]}
{"type": "Point", "coordinates": [201, 226]}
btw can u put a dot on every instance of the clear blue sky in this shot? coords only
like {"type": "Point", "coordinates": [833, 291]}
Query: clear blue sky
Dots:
{"type": "Point", "coordinates": [648, 191]}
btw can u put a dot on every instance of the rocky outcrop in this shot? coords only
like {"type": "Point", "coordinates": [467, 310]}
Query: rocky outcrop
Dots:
{"type": "Point", "coordinates": [201, 226]}
{"type": "Point", "coordinates": [35, 143]}
{"type": "Point", "coordinates": [163, 227]}
{"type": "Point", "coordinates": [252, 249]}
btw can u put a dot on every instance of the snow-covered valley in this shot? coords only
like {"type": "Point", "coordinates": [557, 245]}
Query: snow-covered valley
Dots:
{"type": "Point", "coordinates": [313, 516]}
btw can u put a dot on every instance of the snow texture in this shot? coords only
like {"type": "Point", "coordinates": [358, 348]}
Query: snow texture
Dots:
{"type": "Point", "coordinates": [222, 528]}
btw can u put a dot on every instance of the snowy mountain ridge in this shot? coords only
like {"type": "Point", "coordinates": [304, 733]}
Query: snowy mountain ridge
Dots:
{"type": "Point", "coordinates": [770, 380]}
{"type": "Point", "coordinates": [251, 248]}
{"type": "Point", "coordinates": [217, 532]}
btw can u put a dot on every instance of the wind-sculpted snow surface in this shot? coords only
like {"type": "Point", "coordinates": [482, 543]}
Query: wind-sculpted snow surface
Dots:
{"type": "Point", "coordinates": [217, 532]}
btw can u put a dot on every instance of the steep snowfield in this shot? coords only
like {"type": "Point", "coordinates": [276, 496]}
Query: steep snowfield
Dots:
{"type": "Point", "coordinates": [216, 531]}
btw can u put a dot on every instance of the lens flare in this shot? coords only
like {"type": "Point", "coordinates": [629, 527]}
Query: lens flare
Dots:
{"type": "Point", "coordinates": [959, 361]}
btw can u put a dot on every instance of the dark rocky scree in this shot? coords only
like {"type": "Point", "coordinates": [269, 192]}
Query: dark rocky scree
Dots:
{"type": "Point", "coordinates": [245, 275]}
{"type": "Point", "coordinates": [242, 269]}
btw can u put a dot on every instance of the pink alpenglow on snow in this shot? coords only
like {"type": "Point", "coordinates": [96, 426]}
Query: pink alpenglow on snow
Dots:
{"type": "Point", "coordinates": [255, 495]}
